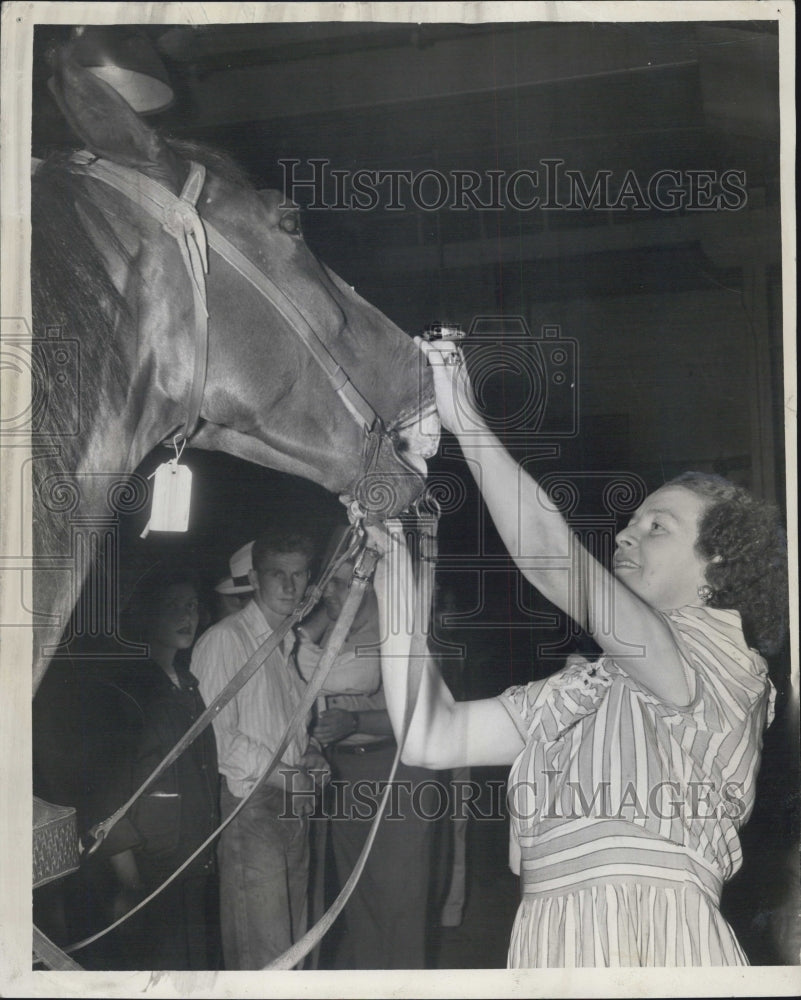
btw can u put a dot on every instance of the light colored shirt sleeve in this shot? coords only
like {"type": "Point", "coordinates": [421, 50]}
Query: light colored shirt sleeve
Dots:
{"type": "Point", "coordinates": [359, 702]}
{"type": "Point", "coordinates": [217, 657]}
{"type": "Point", "coordinates": [353, 672]}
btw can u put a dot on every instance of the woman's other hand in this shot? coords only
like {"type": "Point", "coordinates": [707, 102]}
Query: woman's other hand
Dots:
{"type": "Point", "coordinates": [379, 534]}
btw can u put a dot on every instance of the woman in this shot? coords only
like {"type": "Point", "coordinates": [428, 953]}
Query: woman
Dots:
{"type": "Point", "coordinates": [630, 776]}
{"type": "Point", "coordinates": [179, 811]}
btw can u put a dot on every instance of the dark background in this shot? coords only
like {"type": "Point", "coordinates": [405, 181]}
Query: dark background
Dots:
{"type": "Point", "coordinates": [674, 317]}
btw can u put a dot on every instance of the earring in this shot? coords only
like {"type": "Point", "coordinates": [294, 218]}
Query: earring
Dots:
{"type": "Point", "coordinates": [705, 593]}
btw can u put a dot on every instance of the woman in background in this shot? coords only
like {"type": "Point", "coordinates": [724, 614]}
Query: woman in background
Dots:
{"type": "Point", "coordinates": [177, 813]}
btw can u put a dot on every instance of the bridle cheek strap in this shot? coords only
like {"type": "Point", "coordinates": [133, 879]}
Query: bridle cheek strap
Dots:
{"type": "Point", "coordinates": [185, 225]}
{"type": "Point", "coordinates": [355, 403]}
{"type": "Point", "coordinates": [180, 219]}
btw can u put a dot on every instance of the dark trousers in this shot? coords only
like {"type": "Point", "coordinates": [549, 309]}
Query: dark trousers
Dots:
{"type": "Point", "coordinates": [177, 932]}
{"type": "Point", "coordinates": [264, 870]}
{"type": "Point", "coordinates": [385, 918]}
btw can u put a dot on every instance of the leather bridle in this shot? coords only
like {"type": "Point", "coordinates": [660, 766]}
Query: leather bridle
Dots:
{"type": "Point", "coordinates": [364, 559]}
{"type": "Point", "coordinates": [179, 218]}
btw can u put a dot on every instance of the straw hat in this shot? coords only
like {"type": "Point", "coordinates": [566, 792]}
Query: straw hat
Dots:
{"type": "Point", "coordinates": [240, 563]}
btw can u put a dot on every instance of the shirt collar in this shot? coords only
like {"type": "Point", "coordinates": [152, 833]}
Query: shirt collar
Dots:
{"type": "Point", "coordinates": [186, 680]}
{"type": "Point", "coordinates": [254, 618]}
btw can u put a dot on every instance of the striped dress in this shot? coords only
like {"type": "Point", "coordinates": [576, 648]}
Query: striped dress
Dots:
{"type": "Point", "coordinates": [625, 810]}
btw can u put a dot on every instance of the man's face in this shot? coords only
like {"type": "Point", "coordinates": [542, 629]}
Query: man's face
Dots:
{"type": "Point", "coordinates": [336, 590]}
{"type": "Point", "coordinates": [278, 583]}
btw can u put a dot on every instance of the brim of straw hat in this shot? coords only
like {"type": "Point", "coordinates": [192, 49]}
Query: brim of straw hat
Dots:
{"type": "Point", "coordinates": [231, 586]}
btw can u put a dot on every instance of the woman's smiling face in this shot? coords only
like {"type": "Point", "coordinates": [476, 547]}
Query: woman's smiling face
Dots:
{"type": "Point", "coordinates": [656, 555]}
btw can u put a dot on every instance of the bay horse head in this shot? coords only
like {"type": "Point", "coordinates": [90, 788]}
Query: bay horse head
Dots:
{"type": "Point", "coordinates": [307, 378]}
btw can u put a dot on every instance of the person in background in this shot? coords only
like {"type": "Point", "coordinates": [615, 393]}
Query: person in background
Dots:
{"type": "Point", "coordinates": [632, 775]}
{"type": "Point", "coordinates": [264, 852]}
{"type": "Point", "coordinates": [385, 918]}
{"type": "Point", "coordinates": [233, 592]}
{"type": "Point", "coordinates": [181, 809]}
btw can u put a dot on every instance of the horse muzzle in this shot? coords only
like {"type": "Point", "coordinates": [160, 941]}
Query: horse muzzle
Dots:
{"type": "Point", "coordinates": [394, 470]}
{"type": "Point", "coordinates": [419, 437]}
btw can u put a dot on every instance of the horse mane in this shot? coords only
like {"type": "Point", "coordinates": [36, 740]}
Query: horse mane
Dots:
{"type": "Point", "coordinates": [72, 292]}
{"type": "Point", "coordinates": [213, 159]}
{"type": "Point", "coordinates": [70, 287]}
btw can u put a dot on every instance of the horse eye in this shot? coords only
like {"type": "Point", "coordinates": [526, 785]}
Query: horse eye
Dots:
{"type": "Point", "coordinates": [290, 223]}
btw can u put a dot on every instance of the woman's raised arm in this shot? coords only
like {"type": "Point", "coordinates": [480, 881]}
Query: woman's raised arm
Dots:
{"type": "Point", "coordinates": [547, 551]}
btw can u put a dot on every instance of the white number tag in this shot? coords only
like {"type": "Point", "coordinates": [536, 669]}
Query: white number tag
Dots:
{"type": "Point", "coordinates": [172, 492]}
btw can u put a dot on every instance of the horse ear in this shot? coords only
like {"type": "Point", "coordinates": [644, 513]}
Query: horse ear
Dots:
{"type": "Point", "coordinates": [106, 123]}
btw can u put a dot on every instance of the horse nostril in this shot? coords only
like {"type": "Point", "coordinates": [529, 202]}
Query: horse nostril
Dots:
{"type": "Point", "coordinates": [290, 223]}
{"type": "Point", "coordinates": [399, 443]}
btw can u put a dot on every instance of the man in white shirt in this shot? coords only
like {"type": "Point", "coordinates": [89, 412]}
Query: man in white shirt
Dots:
{"type": "Point", "coordinates": [264, 852]}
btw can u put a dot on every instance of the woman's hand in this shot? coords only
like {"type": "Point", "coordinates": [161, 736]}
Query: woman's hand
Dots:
{"type": "Point", "coordinates": [380, 535]}
{"type": "Point", "coordinates": [392, 572]}
{"type": "Point", "coordinates": [456, 401]}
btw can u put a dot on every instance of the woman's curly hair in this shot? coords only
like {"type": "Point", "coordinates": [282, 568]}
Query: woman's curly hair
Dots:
{"type": "Point", "coordinates": [143, 606]}
{"type": "Point", "coordinates": [746, 546]}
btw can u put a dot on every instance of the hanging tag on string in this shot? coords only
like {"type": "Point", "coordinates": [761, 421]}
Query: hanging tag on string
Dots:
{"type": "Point", "coordinates": [172, 493]}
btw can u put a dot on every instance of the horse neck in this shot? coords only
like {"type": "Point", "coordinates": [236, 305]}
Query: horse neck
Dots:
{"type": "Point", "coordinates": [82, 488]}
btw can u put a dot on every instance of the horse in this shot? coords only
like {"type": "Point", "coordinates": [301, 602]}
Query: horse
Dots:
{"type": "Point", "coordinates": [292, 370]}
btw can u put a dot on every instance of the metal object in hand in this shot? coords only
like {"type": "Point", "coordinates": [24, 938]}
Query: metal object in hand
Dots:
{"type": "Point", "coordinates": [443, 331]}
